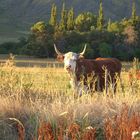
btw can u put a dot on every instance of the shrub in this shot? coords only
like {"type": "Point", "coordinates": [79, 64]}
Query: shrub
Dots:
{"type": "Point", "coordinates": [105, 50]}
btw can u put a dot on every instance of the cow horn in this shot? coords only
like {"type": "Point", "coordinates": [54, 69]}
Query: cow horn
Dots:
{"type": "Point", "coordinates": [57, 51]}
{"type": "Point", "coordinates": [82, 53]}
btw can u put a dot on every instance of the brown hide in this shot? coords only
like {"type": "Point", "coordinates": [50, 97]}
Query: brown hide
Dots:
{"type": "Point", "coordinates": [113, 65]}
{"type": "Point", "coordinates": [89, 66]}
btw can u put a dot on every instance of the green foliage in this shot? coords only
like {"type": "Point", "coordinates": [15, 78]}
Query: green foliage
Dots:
{"type": "Point", "coordinates": [123, 52]}
{"type": "Point", "coordinates": [113, 39]}
{"type": "Point", "coordinates": [114, 27]}
{"type": "Point", "coordinates": [85, 21]}
{"type": "Point", "coordinates": [90, 53]}
{"type": "Point", "coordinates": [39, 27]}
{"type": "Point", "coordinates": [109, 26]}
{"type": "Point", "coordinates": [133, 16]}
{"type": "Point", "coordinates": [100, 20]}
{"type": "Point", "coordinates": [96, 37]}
{"type": "Point", "coordinates": [53, 15]}
{"type": "Point", "coordinates": [74, 38]}
{"type": "Point", "coordinates": [70, 20]}
{"type": "Point", "coordinates": [137, 53]}
{"type": "Point", "coordinates": [39, 32]}
{"type": "Point", "coordinates": [62, 25]}
{"type": "Point", "coordinates": [105, 50]}
{"type": "Point", "coordinates": [126, 22]}
{"type": "Point", "coordinates": [40, 40]}
{"type": "Point", "coordinates": [13, 47]}
{"type": "Point", "coordinates": [8, 47]}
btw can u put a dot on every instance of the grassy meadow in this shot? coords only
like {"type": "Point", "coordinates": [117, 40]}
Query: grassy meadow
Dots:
{"type": "Point", "coordinates": [37, 103]}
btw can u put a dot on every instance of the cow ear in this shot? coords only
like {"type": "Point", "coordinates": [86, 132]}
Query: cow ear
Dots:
{"type": "Point", "coordinates": [60, 58]}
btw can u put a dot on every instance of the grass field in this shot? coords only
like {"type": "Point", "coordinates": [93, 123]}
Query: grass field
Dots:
{"type": "Point", "coordinates": [37, 103]}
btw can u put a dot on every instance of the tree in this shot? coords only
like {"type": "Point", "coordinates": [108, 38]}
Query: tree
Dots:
{"type": "Point", "coordinates": [105, 50]}
{"type": "Point", "coordinates": [114, 27]}
{"type": "Point", "coordinates": [85, 21]}
{"type": "Point", "coordinates": [62, 25]}
{"type": "Point", "coordinates": [100, 20]}
{"type": "Point", "coordinates": [53, 15]}
{"type": "Point", "coordinates": [40, 41]}
{"type": "Point", "coordinates": [109, 26]}
{"type": "Point", "coordinates": [137, 53]}
{"type": "Point", "coordinates": [126, 22]}
{"type": "Point", "coordinates": [70, 21]}
{"type": "Point", "coordinates": [131, 36]}
{"type": "Point", "coordinates": [39, 27]}
{"type": "Point", "coordinates": [133, 16]}
{"type": "Point", "coordinates": [39, 30]}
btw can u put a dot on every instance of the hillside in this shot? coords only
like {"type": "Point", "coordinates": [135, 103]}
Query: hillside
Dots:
{"type": "Point", "coordinates": [17, 16]}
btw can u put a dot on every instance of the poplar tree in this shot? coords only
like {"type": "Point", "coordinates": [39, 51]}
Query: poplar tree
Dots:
{"type": "Point", "coordinates": [70, 20]}
{"type": "Point", "coordinates": [109, 26]}
{"type": "Point", "coordinates": [62, 25]}
{"type": "Point", "coordinates": [133, 16]}
{"type": "Point", "coordinates": [100, 20]}
{"type": "Point", "coordinates": [53, 15]}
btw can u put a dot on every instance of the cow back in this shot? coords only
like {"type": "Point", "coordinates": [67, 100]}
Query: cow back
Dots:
{"type": "Point", "coordinates": [113, 65]}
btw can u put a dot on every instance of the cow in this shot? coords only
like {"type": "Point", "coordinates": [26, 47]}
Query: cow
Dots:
{"type": "Point", "coordinates": [80, 69]}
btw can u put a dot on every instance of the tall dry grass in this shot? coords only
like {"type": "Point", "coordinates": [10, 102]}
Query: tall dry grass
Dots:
{"type": "Point", "coordinates": [42, 101]}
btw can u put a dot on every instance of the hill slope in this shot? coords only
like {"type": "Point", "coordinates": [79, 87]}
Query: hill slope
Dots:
{"type": "Point", "coordinates": [17, 15]}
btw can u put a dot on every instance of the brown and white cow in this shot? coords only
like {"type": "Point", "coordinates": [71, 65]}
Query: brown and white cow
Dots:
{"type": "Point", "coordinates": [77, 66]}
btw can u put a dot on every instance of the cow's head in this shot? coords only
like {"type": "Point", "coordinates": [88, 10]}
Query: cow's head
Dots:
{"type": "Point", "coordinates": [69, 59]}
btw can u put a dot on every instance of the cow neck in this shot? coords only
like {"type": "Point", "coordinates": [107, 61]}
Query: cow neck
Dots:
{"type": "Point", "coordinates": [88, 66]}
{"type": "Point", "coordinates": [73, 79]}
{"type": "Point", "coordinates": [80, 69]}
{"type": "Point", "coordinates": [74, 76]}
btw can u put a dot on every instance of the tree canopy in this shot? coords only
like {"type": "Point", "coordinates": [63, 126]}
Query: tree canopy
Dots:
{"type": "Point", "coordinates": [105, 38]}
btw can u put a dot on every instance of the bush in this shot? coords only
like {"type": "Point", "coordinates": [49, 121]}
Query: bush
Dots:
{"type": "Point", "coordinates": [105, 50]}
{"type": "Point", "coordinates": [137, 53]}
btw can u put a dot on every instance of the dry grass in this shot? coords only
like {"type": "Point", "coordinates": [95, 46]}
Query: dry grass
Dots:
{"type": "Point", "coordinates": [122, 125]}
{"type": "Point", "coordinates": [42, 101]}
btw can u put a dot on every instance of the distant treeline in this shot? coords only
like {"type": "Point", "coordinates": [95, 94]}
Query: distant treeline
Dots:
{"type": "Point", "coordinates": [104, 38]}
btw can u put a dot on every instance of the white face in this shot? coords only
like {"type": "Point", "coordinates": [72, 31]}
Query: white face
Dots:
{"type": "Point", "coordinates": [70, 61]}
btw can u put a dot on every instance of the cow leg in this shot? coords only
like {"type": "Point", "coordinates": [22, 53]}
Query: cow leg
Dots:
{"type": "Point", "coordinates": [115, 79]}
{"type": "Point", "coordinates": [99, 84]}
{"type": "Point", "coordinates": [114, 86]}
{"type": "Point", "coordinates": [82, 89]}
{"type": "Point", "coordinates": [106, 80]}
{"type": "Point", "coordinates": [73, 84]}
{"type": "Point", "coordinates": [78, 87]}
